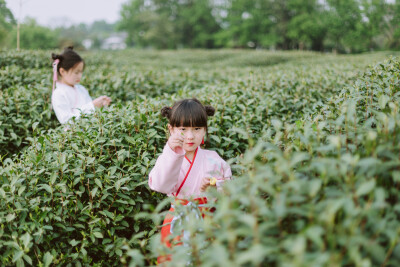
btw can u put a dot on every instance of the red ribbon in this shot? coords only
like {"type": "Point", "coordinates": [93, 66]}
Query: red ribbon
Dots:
{"type": "Point", "coordinates": [187, 174]}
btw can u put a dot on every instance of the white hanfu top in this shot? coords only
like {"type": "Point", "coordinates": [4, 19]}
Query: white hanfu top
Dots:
{"type": "Point", "coordinates": [174, 175]}
{"type": "Point", "coordinates": [70, 102]}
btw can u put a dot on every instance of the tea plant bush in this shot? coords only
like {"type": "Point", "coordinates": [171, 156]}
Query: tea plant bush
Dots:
{"type": "Point", "coordinates": [73, 197]}
{"type": "Point", "coordinates": [25, 59]}
{"type": "Point", "coordinates": [24, 102]}
{"type": "Point", "coordinates": [25, 92]}
{"type": "Point", "coordinates": [25, 80]}
{"type": "Point", "coordinates": [320, 191]}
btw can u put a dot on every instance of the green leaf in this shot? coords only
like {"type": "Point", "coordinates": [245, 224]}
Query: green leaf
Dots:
{"type": "Point", "coordinates": [94, 191]}
{"type": "Point", "coordinates": [90, 160]}
{"type": "Point", "coordinates": [27, 259]}
{"type": "Point", "coordinates": [98, 182]}
{"type": "Point", "coordinates": [277, 124]}
{"type": "Point", "coordinates": [34, 125]}
{"type": "Point", "coordinates": [10, 217]}
{"type": "Point", "coordinates": [21, 190]}
{"type": "Point", "coordinates": [26, 239]}
{"type": "Point", "coordinates": [314, 187]}
{"type": "Point", "coordinates": [13, 136]}
{"type": "Point", "coordinates": [216, 138]}
{"type": "Point", "coordinates": [47, 259]}
{"type": "Point", "coordinates": [84, 252]}
{"type": "Point", "coordinates": [98, 234]}
{"type": "Point", "coordinates": [130, 139]}
{"type": "Point", "coordinates": [365, 188]}
{"type": "Point", "coordinates": [383, 100]}
{"type": "Point", "coordinates": [18, 255]}
{"type": "Point", "coordinates": [73, 242]}
{"type": "Point", "coordinates": [46, 187]}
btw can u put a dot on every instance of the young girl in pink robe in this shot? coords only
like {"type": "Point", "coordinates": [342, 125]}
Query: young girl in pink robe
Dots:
{"type": "Point", "coordinates": [184, 170]}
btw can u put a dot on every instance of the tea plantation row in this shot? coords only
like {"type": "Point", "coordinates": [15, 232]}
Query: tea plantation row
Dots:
{"type": "Point", "coordinates": [25, 80]}
{"type": "Point", "coordinates": [322, 191]}
{"type": "Point", "coordinates": [313, 143]}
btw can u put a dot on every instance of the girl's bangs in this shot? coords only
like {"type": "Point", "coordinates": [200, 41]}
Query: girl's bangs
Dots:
{"type": "Point", "coordinates": [192, 117]}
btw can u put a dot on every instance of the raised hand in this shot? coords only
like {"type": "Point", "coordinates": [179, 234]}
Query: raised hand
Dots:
{"type": "Point", "coordinates": [102, 101]}
{"type": "Point", "coordinates": [175, 141]}
{"type": "Point", "coordinates": [206, 182]}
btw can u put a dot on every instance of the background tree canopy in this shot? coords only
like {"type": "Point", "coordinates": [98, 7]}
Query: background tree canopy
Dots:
{"type": "Point", "coordinates": [346, 26]}
{"type": "Point", "coordinates": [350, 26]}
{"type": "Point", "coordinates": [6, 21]}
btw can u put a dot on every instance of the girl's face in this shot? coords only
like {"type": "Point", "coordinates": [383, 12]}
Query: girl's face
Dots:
{"type": "Point", "coordinates": [73, 75]}
{"type": "Point", "coordinates": [192, 136]}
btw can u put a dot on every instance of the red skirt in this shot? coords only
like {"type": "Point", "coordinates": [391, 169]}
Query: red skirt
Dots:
{"type": "Point", "coordinates": [166, 227]}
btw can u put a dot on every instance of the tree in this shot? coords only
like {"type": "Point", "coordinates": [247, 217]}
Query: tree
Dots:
{"type": "Point", "coordinates": [195, 24]}
{"type": "Point", "coordinates": [7, 21]}
{"type": "Point", "coordinates": [307, 26]}
{"type": "Point", "coordinates": [169, 24]}
{"type": "Point", "coordinates": [342, 17]}
{"type": "Point", "coordinates": [392, 29]}
{"type": "Point", "coordinates": [373, 12]}
{"type": "Point", "coordinates": [248, 24]}
{"type": "Point", "coordinates": [340, 25]}
{"type": "Point", "coordinates": [148, 23]}
{"type": "Point", "coordinates": [34, 36]}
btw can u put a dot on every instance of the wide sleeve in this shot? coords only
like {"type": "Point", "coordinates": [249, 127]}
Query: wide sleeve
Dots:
{"type": "Point", "coordinates": [62, 108]}
{"type": "Point", "coordinates": [88, 106]}
{"type": "Point", "coordinates": [226, 174]}
{"type": "Point", "coordinates": [165, 174]}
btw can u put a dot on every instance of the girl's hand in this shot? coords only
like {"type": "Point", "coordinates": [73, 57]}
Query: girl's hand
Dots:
{"type": "Point", "coordinates": [106, 101]}
{"type": "Point", "coordinates": [206, 182]}
{"type": "Point", "coordinates": [102, 101]}
{"type": "Point", "coordinates": [175, 142]}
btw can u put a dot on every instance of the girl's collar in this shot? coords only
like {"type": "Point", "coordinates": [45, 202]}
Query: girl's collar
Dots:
{"type": "Point", "coordinates": [195, 154]}
{"type": "Point", "coordinates": [65, 85]}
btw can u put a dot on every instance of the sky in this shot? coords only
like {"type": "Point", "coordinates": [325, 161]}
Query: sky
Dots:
{"type": "Point", "coordinates": [55, 13]}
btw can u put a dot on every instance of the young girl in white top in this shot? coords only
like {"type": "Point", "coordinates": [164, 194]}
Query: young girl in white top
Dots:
{"type": "Point", "coordinates": [69, 98]}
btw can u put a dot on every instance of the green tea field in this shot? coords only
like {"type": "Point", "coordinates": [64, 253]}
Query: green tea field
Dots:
{"type": "Point", "coordinates": [313, 141]}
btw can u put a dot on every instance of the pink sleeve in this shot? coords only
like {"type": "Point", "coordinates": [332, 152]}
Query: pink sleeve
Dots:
{"type": "Point", "coordinates": [226, 174]}
{"type": "Point", "coordinates": [165, 174]}
{"type": "Point", "coordinates": [227, 171]}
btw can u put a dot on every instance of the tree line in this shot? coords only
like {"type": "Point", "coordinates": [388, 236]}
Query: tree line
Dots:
{"type": "Point", "coordinates": [345, 26]}
{"type": "Point", "coordinates": [320, 25]}
{"type": "Point", "coordinates": [35, 36]}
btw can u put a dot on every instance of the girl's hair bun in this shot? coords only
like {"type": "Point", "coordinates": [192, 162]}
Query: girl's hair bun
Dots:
{"type": "Point", "coordinates": [56, 56]}
{"type": "Point", "coordinates": [166, 112]}
{"type": "Point", "coordinates": [69, 48]}
{"type": "Point", "coordinates": [210, 110]}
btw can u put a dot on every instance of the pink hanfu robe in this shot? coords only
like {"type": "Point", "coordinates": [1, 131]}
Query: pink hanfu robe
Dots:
{"type": "Point", "coordinates": [176, 176]}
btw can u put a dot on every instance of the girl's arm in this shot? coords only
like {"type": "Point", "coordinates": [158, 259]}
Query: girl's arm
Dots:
{"type": "Point", "coordinates": [222, 172]}
{"type": "Point", "coordinates": [88, 106]}
{"type": "Point", "coordinates": [165, 174]}
{"type": "Point", "coordinates": [227, 175]}
{"type": "Point", "coordinates": [63, 110]}
{"type": "Point", "coordinates": [101, 101]}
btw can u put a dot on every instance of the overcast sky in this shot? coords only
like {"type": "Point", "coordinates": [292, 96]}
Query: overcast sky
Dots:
{"type": "Point", "coordinates": [61, 12]}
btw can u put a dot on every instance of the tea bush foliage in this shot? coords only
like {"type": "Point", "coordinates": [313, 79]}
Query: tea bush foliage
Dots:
{"type": "Point", "coordinates": [25, 79]}
{"type": "Point", "coordinates": [313, 141]}
{"type": "Point", "coordinates": [74, 193]}
{"type": "Point", "coordinates": [321, 191]}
